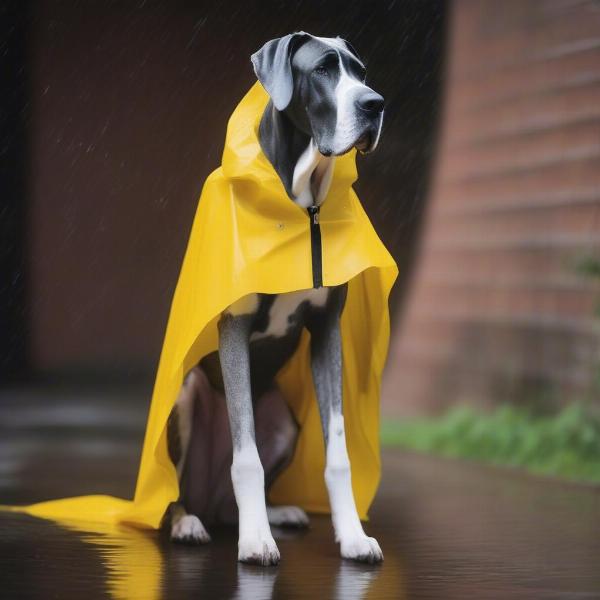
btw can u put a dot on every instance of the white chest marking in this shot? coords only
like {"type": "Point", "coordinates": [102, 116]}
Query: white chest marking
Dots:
{"type": "Point", "coordinates": [312, 176]}
{"type": "Point", "coordinates": [285, 305]}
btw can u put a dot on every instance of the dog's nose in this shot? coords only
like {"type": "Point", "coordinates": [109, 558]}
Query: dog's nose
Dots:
{"type": "Point", "coordinates": [371, 102]}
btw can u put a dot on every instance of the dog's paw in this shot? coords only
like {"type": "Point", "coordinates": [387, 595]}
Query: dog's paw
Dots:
{"type": "Point", "coordinates": [287, 516]}
{"type": "Point", "coordinates": [261, 550]}
{"type": "Point", "coordinates": [189, 530]}
{"type": "Point", "coordinates": [361, 548]}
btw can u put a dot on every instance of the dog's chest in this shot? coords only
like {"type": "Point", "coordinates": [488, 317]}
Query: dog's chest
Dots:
{"type": "Point", "coordinates": [276, 314]}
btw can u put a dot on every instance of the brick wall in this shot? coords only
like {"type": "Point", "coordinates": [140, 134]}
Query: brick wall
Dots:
{"type": "Point", "coordinates": [497, 310]}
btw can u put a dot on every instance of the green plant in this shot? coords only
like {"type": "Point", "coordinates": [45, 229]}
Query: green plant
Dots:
{"type": "Point", "coordinates": [565, 444]}
{"type": "Point", "coordinates": [588, 267]}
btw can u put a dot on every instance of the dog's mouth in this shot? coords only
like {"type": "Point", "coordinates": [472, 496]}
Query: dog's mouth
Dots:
{"type": "Point", "coordinates": [364, 142]}
{"type": "Point", "coordinates": [369, 139]}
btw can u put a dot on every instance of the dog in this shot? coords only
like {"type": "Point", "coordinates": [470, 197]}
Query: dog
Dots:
{"type": "Point", "coordinates": [320, 107]}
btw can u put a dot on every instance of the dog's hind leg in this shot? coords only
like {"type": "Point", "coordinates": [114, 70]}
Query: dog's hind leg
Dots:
{"type": "Point", "coordinates": [326, 364]}
{"type": "Point", "coordinates": [185, 528]}
{"type": "Point", "coordinates": [287, 516]}
{"type": "Point", "coordinates": [179, 425]}
{"type": "Point", "coordinates": [276, 437]}
{"type": "Point", "coordinates": [256, 544]}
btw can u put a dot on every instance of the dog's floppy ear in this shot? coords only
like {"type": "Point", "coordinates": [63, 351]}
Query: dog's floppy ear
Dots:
{"type": "Point", "coordinates": [272, 65]}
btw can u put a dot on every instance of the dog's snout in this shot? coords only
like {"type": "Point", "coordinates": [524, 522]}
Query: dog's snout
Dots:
{"type": "Point", "coordinates": [370, 102]}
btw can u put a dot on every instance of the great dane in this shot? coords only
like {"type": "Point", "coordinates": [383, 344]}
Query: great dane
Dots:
{"type": "Point", "coordinates": [320, 107]}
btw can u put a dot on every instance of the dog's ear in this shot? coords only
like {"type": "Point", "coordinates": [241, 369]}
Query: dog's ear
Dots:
{"type": "Point", "coordinates": [272, 65]}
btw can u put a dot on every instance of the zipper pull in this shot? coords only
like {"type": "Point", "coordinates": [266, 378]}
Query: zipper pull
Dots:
{"type": "Point", "coordinates": [313, 211]}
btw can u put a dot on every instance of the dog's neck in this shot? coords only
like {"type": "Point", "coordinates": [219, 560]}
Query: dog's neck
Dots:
{"type": "Point", "coordinates": [304, 171]}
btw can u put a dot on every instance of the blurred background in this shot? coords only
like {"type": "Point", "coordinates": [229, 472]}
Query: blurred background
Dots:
{"type": "Point", "coordinates": [485, 187]}
{"type": "Point", "coordinates": [503, 297]}
{"type": "Point", "coordinates": [120, 117]}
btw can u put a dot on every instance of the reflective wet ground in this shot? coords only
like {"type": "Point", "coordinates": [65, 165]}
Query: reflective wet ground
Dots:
{"type": "Point", "coordinates": [448, 529]}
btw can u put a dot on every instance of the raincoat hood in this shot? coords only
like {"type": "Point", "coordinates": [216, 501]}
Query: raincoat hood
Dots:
{"type": "Point", "coordinates": [248, 236]}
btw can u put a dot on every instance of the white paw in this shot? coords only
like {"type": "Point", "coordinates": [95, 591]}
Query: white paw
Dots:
{"type": "Point", "coordinates": [361, 548]}
{"type": "Point", "coordinates": [260, 550]}
{"type": "Point", "coordinates": [189, 530]}
{"type": "Point", "coordinates": [287, 516]}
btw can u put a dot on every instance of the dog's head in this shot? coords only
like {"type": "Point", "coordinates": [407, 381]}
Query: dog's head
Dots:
{"type": "Point", "coordinates": [319, 83]}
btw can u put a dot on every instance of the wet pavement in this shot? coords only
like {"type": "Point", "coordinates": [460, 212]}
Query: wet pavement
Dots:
{"type": "Point", "coordinates": [448, 529]}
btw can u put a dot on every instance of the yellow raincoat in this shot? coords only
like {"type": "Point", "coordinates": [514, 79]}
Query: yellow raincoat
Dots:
{"type": "Point", "coordinates": [247, 237]}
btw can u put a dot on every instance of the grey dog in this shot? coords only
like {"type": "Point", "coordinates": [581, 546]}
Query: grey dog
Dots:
{"type": "Point", "coordinates": [320, 107]}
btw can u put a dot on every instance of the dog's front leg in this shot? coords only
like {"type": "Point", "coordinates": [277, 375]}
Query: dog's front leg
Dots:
{"type": "Point", "coordinates": [326, 363]}
{"type": "Point", "coordinates": [256, 544]}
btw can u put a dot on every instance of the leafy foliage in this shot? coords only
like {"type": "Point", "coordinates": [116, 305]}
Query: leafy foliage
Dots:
{"type": "Point", "coordinates": [565, 444]}
{"type": "Point", "coordinates": [588, 267]}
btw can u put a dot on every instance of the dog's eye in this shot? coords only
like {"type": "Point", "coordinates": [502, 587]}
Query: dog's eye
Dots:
{"type": "Point", "coordinates": [321, 70]}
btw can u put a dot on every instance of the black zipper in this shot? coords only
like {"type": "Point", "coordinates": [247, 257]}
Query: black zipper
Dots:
{"type": "Point", "coordinates": [315, 246]}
